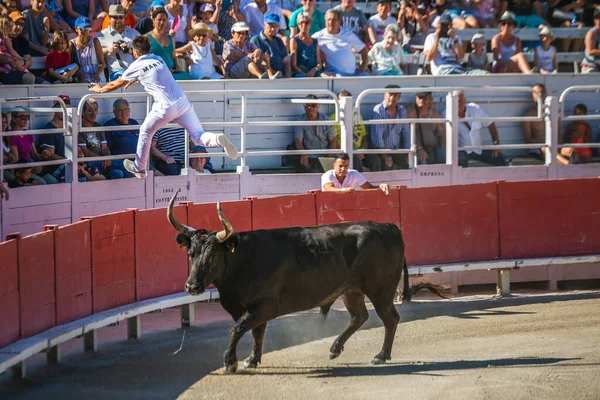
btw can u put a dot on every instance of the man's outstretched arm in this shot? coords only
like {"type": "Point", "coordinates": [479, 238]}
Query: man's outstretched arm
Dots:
{"type": "Point", "coordinates": [110, 86]}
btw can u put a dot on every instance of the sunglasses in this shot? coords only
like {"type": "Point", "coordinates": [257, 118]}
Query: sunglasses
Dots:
{"type": "Point", "coordinates": [201, 35]}
{"type": "Point", "coordinates": [23, 116]}
{"type": "Point", "coordinates": [19, 24]}
{"type": "Point", "coordinates": [310, 105]}
{"type": "Point", "coordinates": [118, 17]}
{"type": "Point", "coordinates": [304, 22]}
{"type": "Point", "coordinates": [507, 23]}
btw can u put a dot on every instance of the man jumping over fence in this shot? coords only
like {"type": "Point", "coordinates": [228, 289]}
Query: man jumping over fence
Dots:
{"type": "Point", "coordinates": [170, 104]}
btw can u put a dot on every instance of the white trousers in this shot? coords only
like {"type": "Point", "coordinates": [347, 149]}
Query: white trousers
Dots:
{"type": "Point", "coordinates": [182, 112]}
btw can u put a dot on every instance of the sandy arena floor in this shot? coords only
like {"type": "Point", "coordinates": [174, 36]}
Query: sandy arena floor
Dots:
{"type": "Point", "coordinates": [540, 346]}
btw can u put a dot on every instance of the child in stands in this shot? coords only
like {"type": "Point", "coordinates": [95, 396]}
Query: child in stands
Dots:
{"type": "Point", "coordinates": [545, 54]}
{"type": "Point", "coordinates": [58, 62]}
{"type": "Point", "coordinates": [577, 132]}
{"type": "Point", "coordinates": [478, 57]}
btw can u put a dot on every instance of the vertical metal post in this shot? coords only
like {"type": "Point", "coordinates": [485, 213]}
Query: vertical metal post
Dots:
{"type": "Point", "coordinates": [134, 330]}
{"type": "Point", "coordinates": [187, 315]}
{"type": "Point", "coordinates": [243, 131]}
{"type": "Point", "coordinates": [53, 355]}
{"type": "Point", "coordinates": [90, 341]}
{"type": "Point", "coordinates": [243, 170]}
{"type": "Point", "coordinates": [452, 137]}
{"type": "Point", "coordinates": [72, 174]}
{"type": "Point", "coordinates": [347, 121]}
{"type": "Point", "coordinates": [186, 158]}
{"type": "Point", "coordinates": [552, 126]}
{"type": "Point", "coordinates": [412, 158]}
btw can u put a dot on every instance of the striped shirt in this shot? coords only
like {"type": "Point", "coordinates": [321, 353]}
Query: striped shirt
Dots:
{"type": "Point", "coordinates": [171, 142]}
{"type": "Point", "coordinates": [389, 136]}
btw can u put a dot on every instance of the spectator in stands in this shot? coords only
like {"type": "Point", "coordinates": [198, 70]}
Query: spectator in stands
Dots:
{"type": "Point", "coordinates": [343, 179]}
{"type": "Point", "coordinates": [94, 144]}
{"type": "Point", "coordinates": [12, 65]}
{"type": "Point", "coordinates": [145, 25]}
{"type": "Point", "coordinates": [577, 132]}
{"type": "Point", "coordinates": [4, 192]}
{"type": "Point", "coordinates": [527, 13]}
{"type": "Point", "coordinates": [255, 13]}
{"type": "Point", "coordinates": [508, 49]}
{"type": "Point", "coordinates": [317, 18]}
{"type": "Point", "coordinates": [378, 22]}
{"type": "Point", "coordinates": [162, 43]}
{"type": "Point", "coordinates": [122, 142]}
{"type": "Point", "coordinates": [23, 177]}
{"type": "Point", "coordinates": [591, 61]}
{"type": "Point", "coordinates": [270, 44]}
{"type": "Point", "coordinates": [52, 146]}
{"type": "Point", "coordinates": [88, 172]}
{"type": "Point", "coordinates": [305, 53]}
{"type": "Point", "coordinates": [74, 9]}
{"type": "Point", "coordinates": [200, 55]}
{"type": "Point", "coordinates": [22, 147]}
{"type": "Point", "coordinates": [207, 16]}
{"type": "Point", "coordinates": [57, 22]}
{"type": "Point", "coordinates": [390, 136]}
{"type": "Point", "coordinates": [168, 150]}
{"type": "Point", "coordinates": [413, 23]}
{"type": "Point", "coordinates": [313, 137]}
{"type": "Point", "coordinates": [88, 50]}
{"type": "Point", "coordinates": [564, 13]}
{"type": "Point", "coordinates": [199, 164]}
{"type": "Point", "coordinates": [242, 59]}
{"type": "Point", "coordinates": [19, 43]}
{"type": "Point", "coordinates": [37, 28]}
{"type": "Point", "coordinates": [7, 156]}
{"type": "Point", "coordinates": [178, 21]}
{"type": "Point", "coordinates": [360, 140]}
{"type": "Point", "coordinates": [8, 6]}
{"type": "Point", "coordinates": [429, 138]}
{"type": "Point", "coordinates": [444, 50]}
{"type": "Point", "coordinates": [460, 13]}
{"type": "Point", "coordinates": [116, 42]}
{"type": "Point", "coordinates": [129, 17]}
{"type": "Point", "coordinates": [339, 46]}
{"type": "Point", "coordinates": [478, 57]}
{"type": "Point", "coordinates": [535, 131]}
{"type": "Point", "coordinates": [353, 19]}
{"type": "Point", "coordinates": [229, 13]}
{"type": "Point", "coordinates": [485, 12]}
{"type": "Point", "coordinates": [544, 57]}
{"type": "Point", "coordinates": [59, 66]}
{"type": "Point", "coordinates": [469, 134]}
{"type": "Point", "coordinates": [385, 57]}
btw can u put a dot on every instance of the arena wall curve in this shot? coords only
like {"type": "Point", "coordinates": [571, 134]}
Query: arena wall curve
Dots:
{"type": "Point", "coordinates": [67, 273]}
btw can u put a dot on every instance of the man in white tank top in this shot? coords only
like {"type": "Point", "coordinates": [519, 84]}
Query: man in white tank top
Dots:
{"type": "Point", "coordinates": [170, 104]}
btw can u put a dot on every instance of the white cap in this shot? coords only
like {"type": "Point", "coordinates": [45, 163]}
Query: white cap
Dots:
{"type": "Point", "coordinates": [240, 27]}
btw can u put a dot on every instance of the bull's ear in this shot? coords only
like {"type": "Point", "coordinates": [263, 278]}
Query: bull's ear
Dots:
{"type": "Point", "coordinates": [183, 241]}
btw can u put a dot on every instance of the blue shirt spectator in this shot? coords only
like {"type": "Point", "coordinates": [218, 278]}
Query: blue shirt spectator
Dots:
{"type": "Point", "coordinates": [122, 142]}
{"type": "Point", "coordinates": [269, 43]}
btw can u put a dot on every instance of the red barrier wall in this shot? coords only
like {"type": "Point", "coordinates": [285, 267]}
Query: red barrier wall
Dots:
{"type": "Point", "coordinates": [161, 266]}
{"type": "Point", "coordinates": [113, 260]}
{"type": "Point", "coordinates": [9, 292]}
{"type": "Point", "coordinates": [284, 211]}
{"type": "Point", "coordinates": [73, 271]}
{"type": "Point", "coordinates": [36, 283]}
{"type": "Point", "coordinates": [374, 205]}
{"type": "Point", "coordinates": [450, 223]}
{"type": "Point", "coordinates": [238, 213]}
{"type": "Point", "coordinates": [549, 218]}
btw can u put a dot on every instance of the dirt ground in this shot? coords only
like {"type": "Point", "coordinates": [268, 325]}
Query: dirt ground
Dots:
{"type": "Point", "coordinates": [477, 347]}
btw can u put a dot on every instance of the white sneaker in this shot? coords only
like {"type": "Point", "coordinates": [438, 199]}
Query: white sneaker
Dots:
{"type": "Point", "coordinates": [128, 164]}
{"type": "Point", "coordinates": [229, 148]}
{"type": "Point", "coordinates": [277, 75]}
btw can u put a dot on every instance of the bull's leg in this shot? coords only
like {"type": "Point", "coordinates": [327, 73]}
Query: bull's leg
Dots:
{"type": "Point", "coordinates": [390, 317]}
{"type": "Point", "coordinates": [258, 334]}
{"type": "Point", "coordinates": [251, 319]}
{"type": "Point", "coordinates": [355, 304]}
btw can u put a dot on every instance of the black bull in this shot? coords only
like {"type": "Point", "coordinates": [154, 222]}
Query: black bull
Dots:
{"type": "Point", "coordinates": [263, 274]}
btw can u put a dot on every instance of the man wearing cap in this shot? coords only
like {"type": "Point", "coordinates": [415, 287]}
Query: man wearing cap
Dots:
{"type": "Point", "coordinates": [444, 50]}
{"type": "Point", "coordinates": [37, 27]}
{"type": "Point", "coordinates": [52, 146]}
{"type": "Point", "coordinates": [129, 17]}
{"type": "Point", "coordinates": [338, 48]}
{"type": "Point", "coordinates": [145, 24]}
{"type": "Point", "coordinates": [255, 13]}
{"type": "Point", "coordinates": [269, 43]}
{"type": "Point", "coordinates": [591, 61]}
{"type": "Point", "coordinates": [429, 138]}
{"type": "Point", "coordinates": [116, 42]}
{"type": "Point", "coordinates": [170, 104]}
{"type": "Point", "coordinates": [19, 43]}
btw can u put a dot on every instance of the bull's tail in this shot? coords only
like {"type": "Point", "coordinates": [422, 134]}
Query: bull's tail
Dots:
{"type": "Point", "coordinates": [325, 309]}
{"type": "Point", "coordinates": [409, 291]}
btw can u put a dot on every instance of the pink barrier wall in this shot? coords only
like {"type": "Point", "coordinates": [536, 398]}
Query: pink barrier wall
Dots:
{"type": "Point", "coordinates": [103, 262]}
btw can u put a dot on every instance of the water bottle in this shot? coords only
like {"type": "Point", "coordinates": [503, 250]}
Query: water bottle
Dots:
{"type": "Point", "coordinates": [574, 22]}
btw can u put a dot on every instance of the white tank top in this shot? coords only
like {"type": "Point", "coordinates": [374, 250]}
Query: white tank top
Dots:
{"type": "Point", "coordinates": [545, 57]}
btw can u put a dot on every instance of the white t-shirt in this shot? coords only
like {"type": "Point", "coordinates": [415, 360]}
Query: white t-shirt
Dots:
{"type": "Point", "coordinates": [338, 49]}
{"type": "Point", "coordinates": [469, 134]}
{"type": "Point", "coordinates": [379, 25]}
{"type": "Point", "coordinates": [256, 19]}
{"type": "Point", "coordinates": [353, 179]}
{"type": "Point", "coordinates": [156, 78]}
{"type": "Point", "coordinates": [445, 56]}
{"type": "Point", "coordinates": [180, 22]}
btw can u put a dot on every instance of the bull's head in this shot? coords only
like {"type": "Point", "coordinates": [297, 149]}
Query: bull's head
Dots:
{"type": "Point", "coordinates": [208, 251]}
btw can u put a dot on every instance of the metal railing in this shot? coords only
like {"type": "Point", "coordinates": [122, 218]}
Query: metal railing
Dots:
{"type": "Point", "coordinates": [64, 130]}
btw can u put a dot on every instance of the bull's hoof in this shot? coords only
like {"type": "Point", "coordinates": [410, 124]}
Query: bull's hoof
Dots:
{"type": "Point", "coordinates": [377, 361]}
{"type": "Point", "coordinates": [333, 356]}
{"type": "Point", "coordinates": [250, 364]}
{"type": "Point", "coordinates": [231, 368]}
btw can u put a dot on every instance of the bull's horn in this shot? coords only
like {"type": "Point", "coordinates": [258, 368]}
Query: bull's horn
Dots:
{"type": "Point", "coordinates": [228, 231]}
{"type": "Point", "coordinates": [186, 230]}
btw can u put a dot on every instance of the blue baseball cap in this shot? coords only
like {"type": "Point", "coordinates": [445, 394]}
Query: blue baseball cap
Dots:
{"type": "Point", "coordinates": [271, 19]}
{"type": "Point", "coordinates": [198, 148]}
{"type": "Point", "coordinates": [157, 4]}
{"type": "Point", "coordinates": [82, 22]}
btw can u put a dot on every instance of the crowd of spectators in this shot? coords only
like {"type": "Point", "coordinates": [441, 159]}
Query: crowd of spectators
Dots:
{"type": "Point", "coordinates": [91, 42]}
